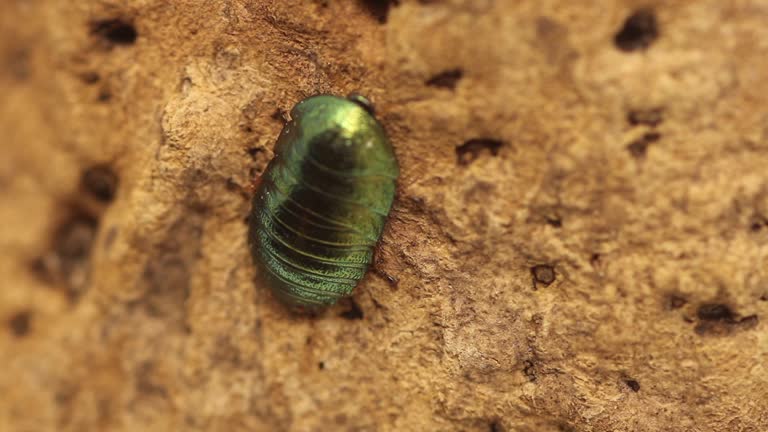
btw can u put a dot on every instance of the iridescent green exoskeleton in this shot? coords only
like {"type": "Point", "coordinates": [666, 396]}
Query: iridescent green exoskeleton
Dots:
{"type": "Point", "coordinates": [322, 202]}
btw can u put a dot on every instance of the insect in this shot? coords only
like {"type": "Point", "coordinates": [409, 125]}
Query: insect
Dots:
{"type": "Point", "coordinates": [321, 204]}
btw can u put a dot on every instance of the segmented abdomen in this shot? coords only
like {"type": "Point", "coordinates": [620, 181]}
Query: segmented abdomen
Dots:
{"type": "Point", "coordinates": [311, 251]}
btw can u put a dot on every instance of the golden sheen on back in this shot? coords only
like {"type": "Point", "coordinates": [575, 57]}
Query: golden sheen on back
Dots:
{"type": "Point", "coordinates": [322, 202]}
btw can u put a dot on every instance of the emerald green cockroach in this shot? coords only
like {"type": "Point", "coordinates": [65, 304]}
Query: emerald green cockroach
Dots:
{"type": "Point", "coordinates": [321, 204]}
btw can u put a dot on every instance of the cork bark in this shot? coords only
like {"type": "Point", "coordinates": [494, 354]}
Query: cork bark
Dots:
{"type": "Point", "coordinates": [579, 240]}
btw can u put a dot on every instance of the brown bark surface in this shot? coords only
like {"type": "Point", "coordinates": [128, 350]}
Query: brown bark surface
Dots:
{"type": "Point", "coordinates": [579, 242]}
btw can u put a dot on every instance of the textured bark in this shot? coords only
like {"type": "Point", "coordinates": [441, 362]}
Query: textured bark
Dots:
{"type": "Point", "coordinates": [579, 242]}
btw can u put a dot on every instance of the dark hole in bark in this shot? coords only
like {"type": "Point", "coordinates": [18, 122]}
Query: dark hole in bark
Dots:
{"type": "Point", "coordinates": [633, 384]}
{"type": "Point", "coordinates": [639, 147]}
{"type": "Point", "coordinates": [354, 312]}
{"type": "Point", "coordinates": [100, 182]}
{"type": "Point", "coordinates": [19, 323]}
{"type": "Point", "coordinates": [446, 79]}
{"type": "Point", "coordinates": [379, 9]}
{"type": "Point", "coordinates": [544, 274]}
{"type": "Point", "coordinates": [104, 96]}
{"type": "Point", "coordinates": [554, 221]}
{"type": "Point", "coordinates": [639, 31]}
{"type": "Point", "coordinates": [90, 77]}
{"type": "Point", "coordinates": [715, 312]}
{"type": "Point", "coordinates": [67, 263]}
{"type": "Point", "coordinates": [114, 31]}
{"type": "Point", "coordinates": [758, 222]}
{"type": "Point", "coordinates": [472, 149]}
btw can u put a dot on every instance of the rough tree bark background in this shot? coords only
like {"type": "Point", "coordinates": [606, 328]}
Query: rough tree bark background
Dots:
{"type": "Point", "coordinates": [579, 243]}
